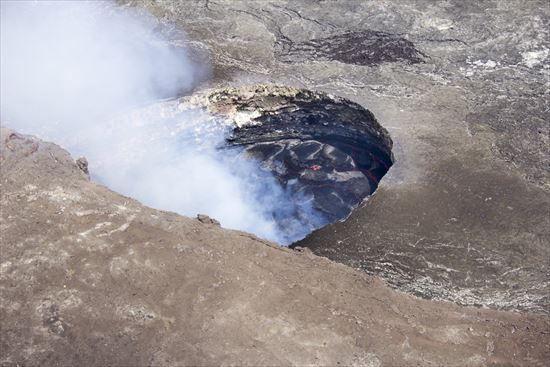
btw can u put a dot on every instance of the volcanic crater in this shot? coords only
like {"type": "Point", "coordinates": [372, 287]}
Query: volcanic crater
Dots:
{"type": "Point", "coordinates": [329, 150]}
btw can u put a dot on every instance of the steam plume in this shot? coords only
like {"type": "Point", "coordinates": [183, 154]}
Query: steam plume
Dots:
{"type": "Point", "coordinates": [76, 73]}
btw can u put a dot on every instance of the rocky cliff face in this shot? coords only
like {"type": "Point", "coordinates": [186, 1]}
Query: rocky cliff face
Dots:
{"type": "Point", "coordinates": [90, 277]}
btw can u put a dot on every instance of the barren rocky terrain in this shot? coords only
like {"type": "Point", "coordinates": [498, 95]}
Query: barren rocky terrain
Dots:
{"type": "Point", "coordinates": [90, 277]}
{"type": "Point", "coordinates": [462, 87]}
{"type": "Point", "coordinates": [447, 264]}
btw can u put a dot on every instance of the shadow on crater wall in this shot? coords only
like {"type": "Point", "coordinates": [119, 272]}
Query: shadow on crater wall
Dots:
{"type": "Point", "coordinates": [330, 149]}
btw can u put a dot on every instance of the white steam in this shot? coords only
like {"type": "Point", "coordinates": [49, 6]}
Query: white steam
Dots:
{"type": "Point", "coordinates": [75, 73]}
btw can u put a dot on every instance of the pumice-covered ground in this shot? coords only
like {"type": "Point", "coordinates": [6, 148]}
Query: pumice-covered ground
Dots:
{"type": "Point", "coordinates": [90, 277]}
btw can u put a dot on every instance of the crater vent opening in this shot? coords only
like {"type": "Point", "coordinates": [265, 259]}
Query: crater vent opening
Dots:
{"type": "Point", "coordinates": [326, 150]}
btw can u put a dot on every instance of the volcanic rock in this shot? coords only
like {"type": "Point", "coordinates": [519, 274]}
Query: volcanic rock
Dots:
{"type": "Point", "coordinates": [330, 150]}
{"type": "Point", "coordinates": [365, 47]}
{"type": "Point", "coordinates": [90, 277]}
{"type": "Point", "coordinates": [462, 215]}
{"type": "Point", "coordinates": [82, 163]}
{"type": "Point", "coordinates": [207, 220]}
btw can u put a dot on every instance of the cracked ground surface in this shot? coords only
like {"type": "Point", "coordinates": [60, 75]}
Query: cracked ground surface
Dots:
{"type": "Point", "coordinates": [91, 277]}
{"type": "Point", "coordinates": [462, 87]}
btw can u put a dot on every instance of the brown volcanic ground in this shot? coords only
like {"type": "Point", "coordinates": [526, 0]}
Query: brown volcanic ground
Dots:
{"type": "Point", "coordinates": [90, 277]}
{"type": "Point", "coordinates": [462, 87]}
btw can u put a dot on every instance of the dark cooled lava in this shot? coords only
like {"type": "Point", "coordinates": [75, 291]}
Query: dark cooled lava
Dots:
{"type": "Point", "coordinates": [367, 47]}
{"type": "Point", "coordinates": [330, 149]}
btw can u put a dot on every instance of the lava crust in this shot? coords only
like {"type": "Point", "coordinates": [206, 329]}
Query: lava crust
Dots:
{"type": "Point", "coordinates": [358, 48]}
{"type": "Point", "coordinates": [330, 149]}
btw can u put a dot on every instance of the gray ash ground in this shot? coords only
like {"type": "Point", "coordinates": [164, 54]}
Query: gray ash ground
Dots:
{"type": "Point", "coordinates": [329, 151]}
